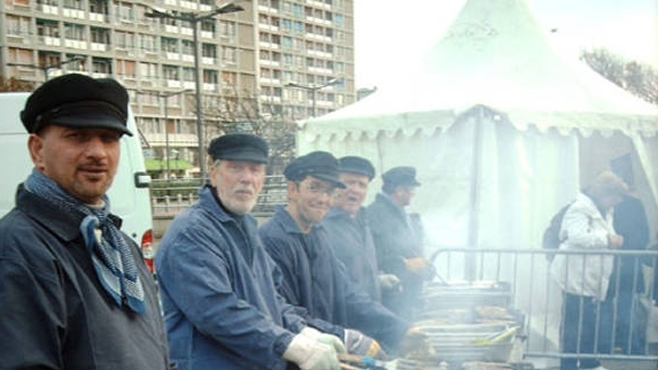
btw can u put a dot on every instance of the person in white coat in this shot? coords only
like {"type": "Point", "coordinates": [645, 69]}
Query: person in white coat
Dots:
{"type": "Point", "coordinates": [584, 278]}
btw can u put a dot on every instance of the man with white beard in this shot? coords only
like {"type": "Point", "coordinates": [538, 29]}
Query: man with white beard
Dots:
{"type": "Point", "coordinates": [219, 286]}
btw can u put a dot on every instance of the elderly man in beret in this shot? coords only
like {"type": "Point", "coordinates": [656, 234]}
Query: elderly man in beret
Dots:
{"type": "Point", "coordinates": [74, 291]}
{"type": "Point", "coordinates": [218, 284]}
{"type": "Point", "coordinates": [313, 277]}
{"type": "Point", "coordinates": [398, 240]}
{"type": "Point", "coordinates": [348, 229]}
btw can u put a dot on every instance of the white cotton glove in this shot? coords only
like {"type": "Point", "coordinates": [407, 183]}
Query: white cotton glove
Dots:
{"type": "Point", "coordinates": [389, 282]}
{"type": "Point", "coordinates": [309, 354]}
{"type": "Point", "coordinates": [360, 344]}
{"type": "Point", "coordinates": [328, 339]}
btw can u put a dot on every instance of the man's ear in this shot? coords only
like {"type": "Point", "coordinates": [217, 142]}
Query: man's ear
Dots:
{"type": "Point", "coordinates": [292, 187]}
{"type": "Point", "coordinates": [35, 147]}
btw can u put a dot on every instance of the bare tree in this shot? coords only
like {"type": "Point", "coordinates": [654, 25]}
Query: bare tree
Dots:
{"type": "Point", "coordinates": [637, 78]}
{"type": "Point", "coordinates": [13, 84]}
{"type": "Point", "coordinates": [242, 111]}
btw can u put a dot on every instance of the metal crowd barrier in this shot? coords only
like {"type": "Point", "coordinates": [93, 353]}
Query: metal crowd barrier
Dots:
{"type": "Point", "coordinates": [172, 199]}
{"type": "Point", "coordinates": [530, 288]}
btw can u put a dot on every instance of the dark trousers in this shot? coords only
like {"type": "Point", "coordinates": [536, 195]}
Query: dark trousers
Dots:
{"type": "Point", "coordinates": [623, 330]}
{"type": "Point", "coordinates": [578, 331]}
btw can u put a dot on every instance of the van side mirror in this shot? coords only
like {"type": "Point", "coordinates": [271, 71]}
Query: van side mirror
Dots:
{"type": "Point", "coordinates": [142, 180]}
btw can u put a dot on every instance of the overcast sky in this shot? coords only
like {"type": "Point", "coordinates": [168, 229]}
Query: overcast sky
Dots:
{"type": "Point", "coordinates": [388, 32]}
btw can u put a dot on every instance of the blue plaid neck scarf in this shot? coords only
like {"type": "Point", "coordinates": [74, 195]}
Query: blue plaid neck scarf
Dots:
{"type": "Point", "coordinates": [110, 254]}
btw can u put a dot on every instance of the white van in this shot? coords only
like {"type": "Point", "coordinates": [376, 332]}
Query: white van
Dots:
{"type": "Point", "coordinates": [129, 194]}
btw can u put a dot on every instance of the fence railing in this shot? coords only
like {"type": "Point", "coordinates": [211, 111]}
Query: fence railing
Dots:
{"type": "Point", "coordinates": [623, 326]}
{"type": "Point", "coordinates": [171, 197]}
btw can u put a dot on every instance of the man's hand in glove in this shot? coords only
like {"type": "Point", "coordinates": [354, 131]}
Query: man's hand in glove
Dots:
{"type": "Point", "coordinates": [421, 267]}
{"type": "Point", "coordinates": [328, 339]}
{"type": "Point", "coordinates": [359, 344]}
{"type": "Point", "coordinates": [309, 354]}
{"type": "Point", "coordinates": [389, 282]}
{"type": "Point", "coordinates": [415, 265]}
{"type": "Point", "coordinates": [416, 344]}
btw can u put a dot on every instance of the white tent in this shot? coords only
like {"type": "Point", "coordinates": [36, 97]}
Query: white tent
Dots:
{"type": "Point", "coordinates": [502, 130]}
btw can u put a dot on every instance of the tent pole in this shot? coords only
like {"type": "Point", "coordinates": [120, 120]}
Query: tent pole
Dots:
{"type": "Point", "coordinates": [474, 195]}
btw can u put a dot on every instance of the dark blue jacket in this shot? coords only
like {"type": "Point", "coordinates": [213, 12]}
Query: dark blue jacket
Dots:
{"type": "Point", "coordinates": [219, 296]}
{"type": "Point", "coordinates": [54, 313]}
{"type": "Point", "coordinates": [315, 279]}
{"type": "Point", "coordinates": [630, 221]}
{"type": "Point", "coordinates": [396, 238]}
{"type": "Point", "coordinates": [351, 241]}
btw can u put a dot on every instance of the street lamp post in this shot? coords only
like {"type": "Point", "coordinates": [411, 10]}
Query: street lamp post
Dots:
{"type": "Point", "coordinates": [166, 97]}
{"type": "Point", "coordinates": [46, 67]}
{"type": "Point", "coordinates": [312, 89]}
{"type": "Point", "coordinates": [194, 19]}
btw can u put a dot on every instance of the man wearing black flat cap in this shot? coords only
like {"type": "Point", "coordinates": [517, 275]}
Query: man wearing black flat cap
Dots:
{"type": "Point", "coordinates": [398, 239]}
{"type": "Point", "coordinates": [313, 277]}
{"type": "Point", "coordinates": [348, 229]}
{"type": "Point", "coordinates": [218, 284]}
{"type": "Point", "coordinates": [75, 292]}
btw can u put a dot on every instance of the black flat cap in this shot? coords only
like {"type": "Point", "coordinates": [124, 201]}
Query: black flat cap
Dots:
{"type": "Point", "coordinates": [400, 176]}
{"type": "Point", "coordinates": [321, 165]}
{"type": "Point", "coordinates": [76, 100]}
{"type": "Point", "coordinates": [239, 147]}
{"type": "Point", "coordinates": [358, 165]}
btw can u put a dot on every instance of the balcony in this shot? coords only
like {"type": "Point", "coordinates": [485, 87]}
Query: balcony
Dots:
{"type": "Point", "coordinates": [189, 5]}
{"type": "Point", "coordinates": [73, 13]}
{"type": "Point", "coordinates": [172, 56]}
{"type": "Point", "coordinates": [99, 47]}
{"type": "Point", "coordinates": [98, 17]}
{"type": "Point", "coordinates": [209, 87]}
{"type": "Point", "coordinates": [51, 41]}
{"type": "Point", "coordinates": [49, 9]}
{"type": "Point", "coordinates": [75, 44]}
{"type": "Point", "coordinates": [174, 84]}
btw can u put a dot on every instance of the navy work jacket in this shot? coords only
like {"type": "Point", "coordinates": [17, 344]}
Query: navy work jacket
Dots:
{"type": "Point", "coordinates": [315, 279]}
{"type": "Point", "coordinates": [219, 295]}
{"type": "Point", "coordinates": [54, 313]}
{"type": "Point", "coordinates": [396, 238]}
{"type": "Point", "coordinates": [351, 241]}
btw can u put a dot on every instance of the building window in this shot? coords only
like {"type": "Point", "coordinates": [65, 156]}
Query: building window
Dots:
{"type": "Point", "coordinates": [103, 66]}
{"type": "Point", "coordinates": [74, 32]}
{"type": "Point", "coordinates": [188, 74]}
{"type": "Point", "coordinates": [148, 70]}
{"type": "Point", "coordinates": [210, 77]}
{"type": "Point", "coordinates": [73, 4]}
{"type": "Point", "coordinates": [126, 68]}
{"type": "Point", "coordinates": [100, 36]}
{"type": "Point", "coordinates": [18, 26]}
{"type": "Point", "coordinates": [124, 12]}
{"type": "Point", "coordinates": [338, 20]}
{"type": "Point", "coordinates": [148, 42]}
{"type": "Point", "coordinates": [170, 73]}
{"type": "Point", "coordinates": [208, 51]}
{"type": "Point", "coordinates": [226, 29]}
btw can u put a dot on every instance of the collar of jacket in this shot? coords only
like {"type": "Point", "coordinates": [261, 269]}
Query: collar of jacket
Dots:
{"type": "Point", "coordinates": [209, 201]}
{"type": "Point", "coordinates": [336, 213]}
{"type": "Point", "coordinates": [65, 225]}
{"type": "Point", "coordinates": [288, 223]}
{"type": "Point", "coordinates": [387, 202]}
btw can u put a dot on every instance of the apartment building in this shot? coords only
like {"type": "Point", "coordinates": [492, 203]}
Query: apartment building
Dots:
{"type": "Point", "coordinates": [293, 59]}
